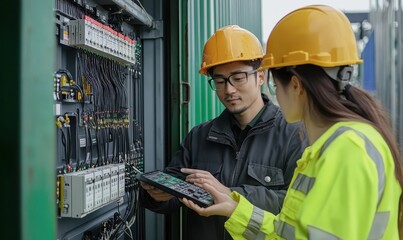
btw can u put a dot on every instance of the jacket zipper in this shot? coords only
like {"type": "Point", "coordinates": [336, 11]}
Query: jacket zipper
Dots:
{"type": "Point", "coordinates": [237, 151]}
{"type": "Point", "coordinates": [236, 168]}
{"type": "Point", "coordinates": [251, 133]}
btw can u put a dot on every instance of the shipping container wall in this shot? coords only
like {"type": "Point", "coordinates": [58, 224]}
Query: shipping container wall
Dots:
{"type": "Point", "coordinates": [387, 20]}
{"type": "Point", "coordinates": [204, 17]}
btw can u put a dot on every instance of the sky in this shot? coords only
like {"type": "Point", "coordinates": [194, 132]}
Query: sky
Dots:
{"type": "Point", "coordinates": [274, 10]}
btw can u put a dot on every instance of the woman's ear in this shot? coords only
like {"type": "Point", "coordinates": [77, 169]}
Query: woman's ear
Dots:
{"type": "Point", "coordinates": [296, 85]}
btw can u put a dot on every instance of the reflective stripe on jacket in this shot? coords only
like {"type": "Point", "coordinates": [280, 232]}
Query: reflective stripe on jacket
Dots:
{"type": "Point", "coordinates": [344, 187]}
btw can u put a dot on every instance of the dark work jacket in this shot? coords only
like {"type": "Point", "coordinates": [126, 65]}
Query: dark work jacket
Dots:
{"type": "Point", "coordinates": [260, 169]}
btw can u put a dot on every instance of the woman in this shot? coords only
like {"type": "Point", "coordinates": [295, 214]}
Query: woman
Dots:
{"type": "Point", "coordinates": [348, 182]}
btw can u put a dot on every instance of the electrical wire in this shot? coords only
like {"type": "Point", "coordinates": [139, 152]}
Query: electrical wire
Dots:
{"type": "Point", "coordinates": [130, 231]}
{"type": "Point", "coordinates": [106, 121]}
{"type": "Point", "coordinates": [69, 150]}
{"type": "Point", "coordinates": [64, 142]}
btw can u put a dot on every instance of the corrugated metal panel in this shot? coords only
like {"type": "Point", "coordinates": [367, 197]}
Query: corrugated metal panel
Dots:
{"type": "Point", "coordinates": [207, 16]}
{"type": "Point", "coordinates": [387, 20]}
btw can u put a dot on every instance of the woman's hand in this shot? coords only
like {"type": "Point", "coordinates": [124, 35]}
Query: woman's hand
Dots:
{"type": "Point", "coordinates": [199, 177]}
{"type": "Point", "coordinates": [223, 205]}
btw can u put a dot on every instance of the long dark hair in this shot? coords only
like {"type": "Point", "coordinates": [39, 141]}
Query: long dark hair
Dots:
{"type": "Point", "coordinates": [354, 104]}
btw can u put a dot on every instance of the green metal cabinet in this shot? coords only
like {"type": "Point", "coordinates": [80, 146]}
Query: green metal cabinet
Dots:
{"type": "Point", "coordinates": [27, 125]}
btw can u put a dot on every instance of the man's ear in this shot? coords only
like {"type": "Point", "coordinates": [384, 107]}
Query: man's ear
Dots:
{"type": "Point", "coordinates": [260, 75]}
{"type": "Point", "coordinates": [296, 85]}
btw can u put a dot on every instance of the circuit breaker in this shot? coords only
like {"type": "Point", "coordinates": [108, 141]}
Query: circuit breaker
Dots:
{"type": "Point", "coordinates": [78, 194]}
{"type": "Point", "coordinates": [86, 191]}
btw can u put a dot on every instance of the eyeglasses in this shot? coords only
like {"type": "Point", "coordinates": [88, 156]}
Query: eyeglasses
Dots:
{"type": "Point", "coordinates": [272, 87]}
{"type": "Point", "coordinates": [271, 84]}
{"type": "Point", "coordinates": [236, 80]}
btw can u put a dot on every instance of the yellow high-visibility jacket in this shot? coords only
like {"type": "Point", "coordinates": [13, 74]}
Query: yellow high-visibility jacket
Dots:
{"type": "Point", "coordinates": [344, 187]}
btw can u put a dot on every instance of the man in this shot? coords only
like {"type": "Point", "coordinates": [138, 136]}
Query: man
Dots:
{"type": "Point", "coordinates": [249, 148]}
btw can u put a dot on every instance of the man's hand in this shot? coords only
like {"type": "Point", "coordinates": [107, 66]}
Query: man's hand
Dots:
{"type": "Point", "coordinates": [199, 177]}
{"type": "Point", "coordinates": [157, 194]}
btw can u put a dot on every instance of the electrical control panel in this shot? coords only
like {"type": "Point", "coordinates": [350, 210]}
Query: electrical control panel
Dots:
{"type": "Point", "coordinates": [98, 111]}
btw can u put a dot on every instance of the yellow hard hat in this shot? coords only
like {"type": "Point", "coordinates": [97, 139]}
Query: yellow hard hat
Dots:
{"type": "Point", "coordinates": [229, 44]}
{"type": "Point", "coordinates": [317, 34]}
